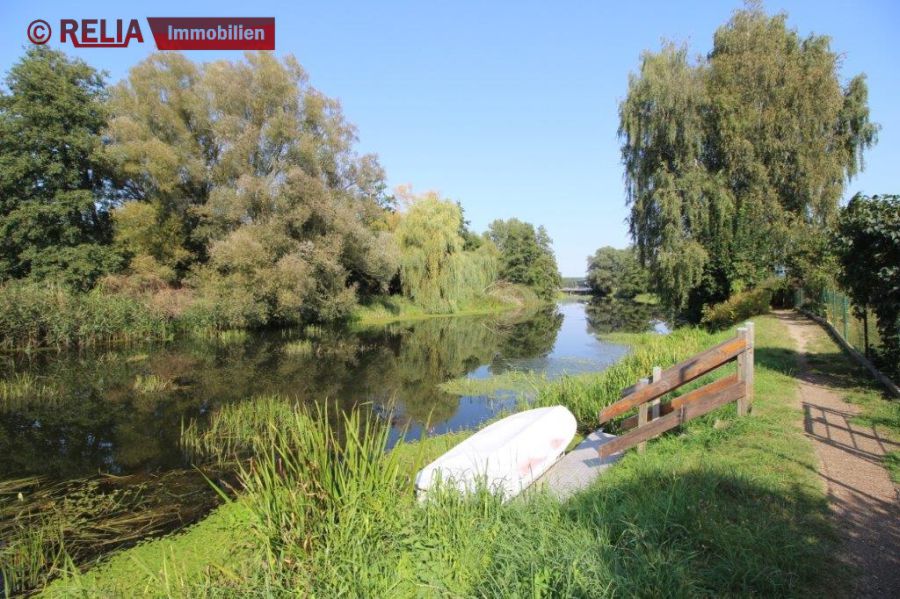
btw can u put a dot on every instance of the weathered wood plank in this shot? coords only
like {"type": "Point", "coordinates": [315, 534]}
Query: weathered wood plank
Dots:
{"type": "Point", "coordinates": [742, 372]}
{"type": "Point", "coordinates": [676, 376]}
{"type": "Point", "coordinates": [751, 342]}
{"type": "Point", "coordinates": [687, 411]}
{"type": "Point", "coordinates": [677, 402]}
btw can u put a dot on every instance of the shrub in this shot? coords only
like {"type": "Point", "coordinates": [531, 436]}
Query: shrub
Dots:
{"type": "Point", "coordinates": [738, 307]}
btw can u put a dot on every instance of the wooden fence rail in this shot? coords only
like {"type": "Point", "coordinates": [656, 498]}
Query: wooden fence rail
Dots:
{"type": "Point", "coordinates": [654, 417]}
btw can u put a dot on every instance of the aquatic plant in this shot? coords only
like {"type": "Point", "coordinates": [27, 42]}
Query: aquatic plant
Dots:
{"type": "Point", "coordinates": [46, 526]}
{"type": "Point", "coordinates": [237, 429]}
{"type": "Point", "coordinates": [25, 389]}
{"type": "Point", "coordinates": [232, 336]}
{"type": "Point", "coordinates": [152, 383]}
{"type": "Point", "coordinates": [301, 347]}
{"type": "Point", "coordinates": [527, 382]}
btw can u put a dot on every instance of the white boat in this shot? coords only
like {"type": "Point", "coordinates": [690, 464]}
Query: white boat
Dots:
{"type": "Point", "coordinates": [506, 456]}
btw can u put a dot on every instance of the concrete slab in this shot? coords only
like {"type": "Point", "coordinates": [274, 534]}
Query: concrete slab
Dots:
{"type": "Point", "coordinates": [578, 468]}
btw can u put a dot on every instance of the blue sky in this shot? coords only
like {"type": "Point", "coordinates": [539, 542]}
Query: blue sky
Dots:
{"type": "Point", "coordinates": [508, 107]}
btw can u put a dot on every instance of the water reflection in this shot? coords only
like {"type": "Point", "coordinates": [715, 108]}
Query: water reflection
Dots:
{"type": "Point", "coordinates": [121, 411]}
{"type": "Point", "coordinates": [623, 316]}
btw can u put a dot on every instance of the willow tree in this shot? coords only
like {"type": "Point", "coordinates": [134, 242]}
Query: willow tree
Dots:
{"type": "Point", "coordinates": [436, 271]}
{"type": "Point", "coordinates": [254, 173]}
{"type": "Point", "coordinates": [735, 163]}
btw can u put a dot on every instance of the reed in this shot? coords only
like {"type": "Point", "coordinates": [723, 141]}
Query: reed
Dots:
{"type": "Point", "coordinates": [36, 315]}
{"type": "Point", "coordinates": [236, 430]}
{"type": "Point", "coordinates": [232, 336]}
{"type": "Point", "coordinates": [515, 381]}
{"type": "Point", "coordinates": [24, 389]}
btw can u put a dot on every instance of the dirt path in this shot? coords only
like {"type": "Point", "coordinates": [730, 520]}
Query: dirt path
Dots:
{"type": "Point", "coordinates": [864, 501]}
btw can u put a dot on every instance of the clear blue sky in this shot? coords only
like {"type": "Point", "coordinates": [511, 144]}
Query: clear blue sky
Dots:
{"type": "Point", "coordinates": [509, 107]}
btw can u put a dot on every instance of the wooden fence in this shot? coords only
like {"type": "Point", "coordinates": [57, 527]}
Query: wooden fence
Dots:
{"type": "Point", "coordinates": [654, 417]}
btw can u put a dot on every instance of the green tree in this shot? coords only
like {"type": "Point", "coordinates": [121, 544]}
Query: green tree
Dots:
{"type": "Point", "coordinates": [436, 270]}
{"type": "Point", "coordinates": [253, 172]}
{"type": "Point", "coordinates": [526, 256]}
{"type": "Point", "coordinates": [616, 273]}
{"type": "Point", "coordinates": [53, 219]}
{"type": "Point", "coordinates": [867, 243]}
{"type": "Point", "coordinates": [736, 162]}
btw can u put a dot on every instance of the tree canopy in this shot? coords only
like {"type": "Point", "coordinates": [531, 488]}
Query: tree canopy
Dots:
{"type": "Point", "coordinates": [53, 219]}
{"type": "Point", "coordinates": [867, 242]}
{"type": "Point", "coordinates": [734, 163]}
{"type": "Point", "coordinates": [526, 256]}
{"type": "Point", "coordinates": [436, 270]}
{"type": "Point", "coordinates": [616, 273]}
{"type": "Point", "coordinates": [254, 187]}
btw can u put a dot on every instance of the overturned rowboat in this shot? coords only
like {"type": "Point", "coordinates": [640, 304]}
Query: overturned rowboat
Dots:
{"type": "Point", "coordinates": [505, 457]}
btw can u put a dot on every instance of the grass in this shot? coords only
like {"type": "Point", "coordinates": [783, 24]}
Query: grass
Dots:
{"type": "Point", "coordinates": [174, 565]}
{"type": "Point", "coordinates": [706, 511]}
{"type": "Point", "coordinates": [586, 394]}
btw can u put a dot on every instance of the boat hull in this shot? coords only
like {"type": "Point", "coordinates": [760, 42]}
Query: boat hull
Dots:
{"type": "Point", "coordinates": [505, 457]}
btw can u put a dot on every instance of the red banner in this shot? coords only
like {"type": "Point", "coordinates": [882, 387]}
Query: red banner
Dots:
{"type": "Point", "coordinates": [213, 33]}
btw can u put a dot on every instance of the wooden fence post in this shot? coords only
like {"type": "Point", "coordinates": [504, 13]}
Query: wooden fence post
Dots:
{"type": "Point", "coordinates": [749, 365]}
{"type": "Point", "coordinates": [657, 376]}
{"type": "Point", "coordinates": [642, 415]}
{"type": "Point", "coordinates": [742, 372]}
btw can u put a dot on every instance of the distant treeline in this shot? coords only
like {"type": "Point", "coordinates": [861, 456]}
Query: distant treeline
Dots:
{"type": "Point", "coordinates": [228, 193]}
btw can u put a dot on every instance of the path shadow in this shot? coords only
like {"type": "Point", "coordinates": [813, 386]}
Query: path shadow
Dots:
{"type": "Point", "coordinates": [819, 423]}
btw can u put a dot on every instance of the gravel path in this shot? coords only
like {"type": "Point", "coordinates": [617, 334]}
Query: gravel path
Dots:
{"type": "Point", "coordinates": [865, 504]}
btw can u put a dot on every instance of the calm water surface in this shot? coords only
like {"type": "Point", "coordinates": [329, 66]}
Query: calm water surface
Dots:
{"type": "Point", "coordinates": [93, 415]}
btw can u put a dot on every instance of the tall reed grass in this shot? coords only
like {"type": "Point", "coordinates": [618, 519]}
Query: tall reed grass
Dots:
{"type": "Point", "coordinates": [35, 315]}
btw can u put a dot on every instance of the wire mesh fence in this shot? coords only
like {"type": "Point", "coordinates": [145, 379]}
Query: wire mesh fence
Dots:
{"type": "Point", "coordinates": [858, 328]}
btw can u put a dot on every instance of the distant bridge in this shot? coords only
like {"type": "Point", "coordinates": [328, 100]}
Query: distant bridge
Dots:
{"type": "Point", "coordinates": [577, 290]}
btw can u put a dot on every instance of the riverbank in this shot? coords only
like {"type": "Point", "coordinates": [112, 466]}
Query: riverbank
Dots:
{"type": "Point", "coordinates": [396, 308]}
{"type": "Point", "coordinates": [726, 506]}
{"type": "Point", "coordinates": [46, 316]}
